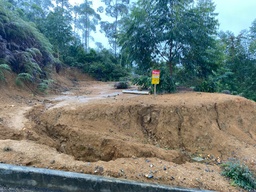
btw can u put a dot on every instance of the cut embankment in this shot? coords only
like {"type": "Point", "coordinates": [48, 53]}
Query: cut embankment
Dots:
{"type": "Point", "coordinates": [171, 127]}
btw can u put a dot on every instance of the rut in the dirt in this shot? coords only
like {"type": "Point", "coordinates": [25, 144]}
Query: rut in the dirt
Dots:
{"type": "Point", "coordinates": [93, 132]}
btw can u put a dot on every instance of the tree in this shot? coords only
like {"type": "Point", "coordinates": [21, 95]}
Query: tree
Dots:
{"type": "Point", "coordinates": [179, 32]}
{"type": "Point", "coordinates": [86, 20]}
{"type": "Point", "coordinates": [57, 28]}
{"type": "Point", "coordinates": [240, 61]}
{"type": "Point", "coordinates": [32, 10]}
{"type": "Point", "coordinates": [64, 4]}
{"type": "Point", "coordinates": [115, 9]}
{"type": "Point", "coordinates": [252, 36]}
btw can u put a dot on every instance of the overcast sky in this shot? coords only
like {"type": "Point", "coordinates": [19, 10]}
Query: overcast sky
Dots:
{"type": "Point", "coordinates": [235, 15]}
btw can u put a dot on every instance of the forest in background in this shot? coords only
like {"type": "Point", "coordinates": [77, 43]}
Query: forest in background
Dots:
{"type": "Point", "coordinates": [178, 37]}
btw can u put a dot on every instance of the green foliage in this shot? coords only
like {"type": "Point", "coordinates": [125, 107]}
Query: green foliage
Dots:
{"type": "Point", "coordinates": [27, 35]}
{"type": "Point", "coordinates": [44, 85]}
{"type": "Point", "coordinates": [57, 28]}
{"type": "Point", "coordinates": [28, 51]}
{"type": "Point", "coordinates": [106, 71]}
{"type": "Point", "coordinates": [207, 86]}
{"type": "Point", "coordinates": [3, 67]}
{"type": "Point", "coordinates": [180, 33]}
{"type": "Point", "coordinates": [239, 174]}
{"type": "Point", "coordinates": [166, 84]}
{"type": "Point", "coordinates": [102, 65]}
{"type": "Point", "coordinates": [35, 53]}
{"type": "Point", "coordinates": [86, 21]}
{"type": "Point", "coordinates": [177, 37]}
{"type": "Point", "coordinates": [240, 62]}
{"type": "Point", "coordinates": [143, 81]}
{"type": "Point", "coordinates": [23, 78]}
{"type": "Point", "coordinates": [28, 62]}
{"type": "Point", "coordinates": [250, 91]}
{"type": "Point", "coordinates": [15, 31]}
{"type": "Point", "coordinates": [115, 9]}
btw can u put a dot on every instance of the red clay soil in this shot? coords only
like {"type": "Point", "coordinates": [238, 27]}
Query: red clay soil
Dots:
{"type": "Point", "coordinates": [175, 139]}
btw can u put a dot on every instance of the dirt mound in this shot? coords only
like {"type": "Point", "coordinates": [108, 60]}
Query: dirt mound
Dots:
{"type": "Point", "coordinates": [149, 127]}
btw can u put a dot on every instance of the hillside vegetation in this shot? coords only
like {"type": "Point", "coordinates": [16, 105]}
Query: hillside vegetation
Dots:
{"type": "Point", "coordinates": [26, 51]}
{"type": "Point", "coordinates": [39, 37]}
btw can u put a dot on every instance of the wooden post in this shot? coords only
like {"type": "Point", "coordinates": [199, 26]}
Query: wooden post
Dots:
{"type": "Point", "coordinates": [155, 90]}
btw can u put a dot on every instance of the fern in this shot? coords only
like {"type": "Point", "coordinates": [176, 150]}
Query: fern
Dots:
{"type": "Point", "coordinates": [28, 63]}
{"type": "Point", "coordinates": [31, 50]}
{"type": "Point", "coordinates": [44, 85]}
{"type": "Point", "coordinates": [23, 78]}
{"type": "Point", "coordinates": [4, 67]}
{"type": "Point", "coordinates": [34, 52]}
{"type": "Point", "coordinates": [32, 67]}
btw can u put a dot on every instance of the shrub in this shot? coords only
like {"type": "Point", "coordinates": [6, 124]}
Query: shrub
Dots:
{"type": "Point", "coordinates": [3, 67]}
{"type": "Point", "coordinates": [23, 78]}
{"type": "Point", "coordinates": [239, 174]}
{"type": "Point", "coordinates": [106, 71]}
{"type": "Point", "coordinates": [143, 81]}
{"type": "Point", "coordinates": [166, 84]}
{"type": "Point", "coordinates": [207, 86]}
{"type": "Point", "coordinates": [44, 85]}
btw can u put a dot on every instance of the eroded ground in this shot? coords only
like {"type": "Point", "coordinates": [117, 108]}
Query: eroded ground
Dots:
{"type": "Point", "coordinates": [176, 139]}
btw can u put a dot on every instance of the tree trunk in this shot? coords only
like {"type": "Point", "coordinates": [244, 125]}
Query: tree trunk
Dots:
{"type": "Point", "coordinates": [170, 65]}
{"type": "Point", "coordinates": [115, 43]}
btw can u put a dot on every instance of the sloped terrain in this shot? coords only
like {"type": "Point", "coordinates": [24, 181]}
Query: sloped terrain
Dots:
{"type": "Point", "coordinates": [175, 139]}
{"type": "Point", "coordinates": [145, 126]}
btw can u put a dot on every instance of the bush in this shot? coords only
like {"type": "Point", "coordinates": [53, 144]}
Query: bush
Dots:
{"type": "Point", "coordinates": [143, 81]}
{"type": "Point", "coordinates": [207, 86]}
{"type": "Point", "coordinates": [166, 84]}
{"type": "Point", "coordinates": [44, 85]}
{"type": "Point", "coordinates": [106, 71]}
{"type": "Point", "coordinates": [3, 67]}
{"type": "Point", "coordinates": [23, 78]}
{"type": "Point", "coordinates": [239, 174]}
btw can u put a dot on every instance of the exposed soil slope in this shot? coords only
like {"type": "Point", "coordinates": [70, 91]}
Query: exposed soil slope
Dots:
{"type": "Point", "coordinates": [93, 128]}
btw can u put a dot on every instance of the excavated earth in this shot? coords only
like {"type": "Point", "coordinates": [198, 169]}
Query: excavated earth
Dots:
{"type": "Point", "coordinates": [176, 139]}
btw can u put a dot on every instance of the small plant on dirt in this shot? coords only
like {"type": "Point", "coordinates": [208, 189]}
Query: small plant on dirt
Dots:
{"type": "Point", "coordinates": [44, 85]}
{"type": "Point", "coordinates": [22, 78]}
{"type": "Point", "coordinates": [3, 67]}
{"type": "Point", "coordinates": [239, 174]}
